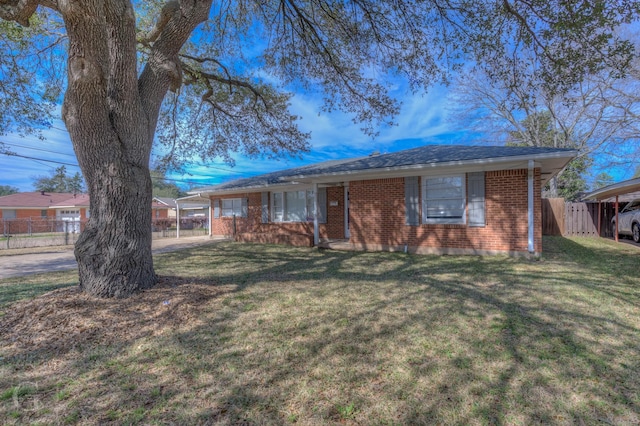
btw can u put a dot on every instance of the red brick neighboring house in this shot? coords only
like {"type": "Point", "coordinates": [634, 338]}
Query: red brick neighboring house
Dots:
{"type": "Point", "coordinates": [447, 199]}
{"type": "Point", "coordinates": [23, 205]}
{"type": "Point", "coordinates": [40, 207]}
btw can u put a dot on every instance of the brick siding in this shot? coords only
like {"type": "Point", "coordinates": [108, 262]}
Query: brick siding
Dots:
{"type": "Point", "coordinates": [377, 210]}
{"type": "Point", "coordinates": [377, 218]}
{"type": "Point", "coordinates": [334, 228]}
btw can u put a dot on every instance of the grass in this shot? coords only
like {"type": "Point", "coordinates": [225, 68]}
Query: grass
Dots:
{"type": "Point", "coordinates": [322, 337]}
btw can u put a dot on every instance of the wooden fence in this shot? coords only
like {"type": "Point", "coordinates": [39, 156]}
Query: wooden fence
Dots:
{"type": "Point", "coordinates": [577, 219]}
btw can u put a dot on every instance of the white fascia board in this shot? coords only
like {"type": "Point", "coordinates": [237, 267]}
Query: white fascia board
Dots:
{"type": "Point", "coordinates": [277, 187]}
{"type": "Point", "coordinates": [485, 164]}
{"type": "Point", "coordinates": [620, 188]}
{"type": "Point", "coordinates": [157, 200]}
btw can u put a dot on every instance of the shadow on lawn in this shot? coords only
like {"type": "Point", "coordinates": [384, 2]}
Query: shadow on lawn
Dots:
{"type": "Point", "coordinates": [300, 334]}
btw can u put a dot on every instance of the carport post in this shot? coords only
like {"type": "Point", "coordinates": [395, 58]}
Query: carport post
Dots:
{"type": "Point", "coordinates": [599, 218]}
{"type": "Point", "coordinates": [177, 219]}
{"type": "Point", "coordinates": [209, 219]}
{"type": "Point", "coordinates": [616, 230]}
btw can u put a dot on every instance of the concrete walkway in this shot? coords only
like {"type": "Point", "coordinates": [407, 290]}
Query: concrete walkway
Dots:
{"type": "Point", "coordinates": [17, 265]}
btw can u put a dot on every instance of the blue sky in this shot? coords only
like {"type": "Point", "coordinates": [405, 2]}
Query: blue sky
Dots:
{"type": "Point", "coordinates": [424, 119]}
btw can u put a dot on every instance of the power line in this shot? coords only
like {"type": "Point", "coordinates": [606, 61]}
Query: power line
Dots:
{"type": "Point", "coordinates": [12, 154]}
{"type": "Point", "coordinates": [37, 149]}
{"type": "Point", "coordinates": [73, 155]}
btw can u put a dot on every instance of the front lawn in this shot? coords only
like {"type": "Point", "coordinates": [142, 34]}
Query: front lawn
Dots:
{"type": "Point", "coordinates": [257, 334]}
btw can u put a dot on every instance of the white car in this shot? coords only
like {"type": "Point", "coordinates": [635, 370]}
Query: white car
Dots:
{"type": "Point", "coordinates": [629, 221]}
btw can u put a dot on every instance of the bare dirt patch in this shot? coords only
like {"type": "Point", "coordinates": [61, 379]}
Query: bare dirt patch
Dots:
{"type": "Point", "coordinates": [66, 319]}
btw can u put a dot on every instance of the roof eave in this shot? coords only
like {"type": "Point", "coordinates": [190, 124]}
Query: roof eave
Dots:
{"type": "Point", "coordinates": [619, 188]}
{"type": "Point", "coordinates": [401, 170]}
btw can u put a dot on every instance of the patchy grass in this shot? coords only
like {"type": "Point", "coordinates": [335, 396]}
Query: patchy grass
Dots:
{"type": "Point", "coordinates": [255, 334]}
{"type": "Point", "coordinates": [14, 289]}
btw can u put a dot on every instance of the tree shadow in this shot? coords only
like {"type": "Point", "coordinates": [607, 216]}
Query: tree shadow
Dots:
{"type": "Point", "coordinates": [284, 334]}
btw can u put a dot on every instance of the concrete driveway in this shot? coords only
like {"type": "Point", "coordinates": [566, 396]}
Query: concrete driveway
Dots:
{"type": "Point", "coordinates": [16, 265]}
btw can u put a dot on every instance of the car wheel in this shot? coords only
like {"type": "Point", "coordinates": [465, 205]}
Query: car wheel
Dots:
{"type": "Point", "coordinates": [636, 233]}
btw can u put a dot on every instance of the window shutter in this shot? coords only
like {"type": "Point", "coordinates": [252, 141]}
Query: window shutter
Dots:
{"type": "Point", "coordinates": [322, 205]}
{"type": "Point", "coordinates": [412, 200]}
{"type": "Point", "coordinates": [245, 202]}
{"type": "Point", "coordinates": [476, 199]}
{"type": "Point", "coordinates": [265, 207]}
{"type": "Point", "coordinates": [216, 208]}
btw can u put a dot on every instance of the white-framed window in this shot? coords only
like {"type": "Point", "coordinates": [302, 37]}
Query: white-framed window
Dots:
{"type": "Point", "coordinates": [444, 199]}
{"type": "Point", "coordinates": [232, 207]}
{"type": "Point", "coordinates": [292, 206]}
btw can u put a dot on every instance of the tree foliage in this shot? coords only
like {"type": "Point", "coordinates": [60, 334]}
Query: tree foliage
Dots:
{"type": "Point", "coordinates": [164, 188]}
{"type": "Point", "coordinates": [8, 190]}
{"type": "Point", "coordinates": [517, 99]}
{"type": "Point", "coordinates": [204, 79]}
{"type": "Point", "coordinates": [60, 181]}
{"type": "Point", "coordinates": [602, 179]}
{"type": "Point", "coordinates": [538, 130]}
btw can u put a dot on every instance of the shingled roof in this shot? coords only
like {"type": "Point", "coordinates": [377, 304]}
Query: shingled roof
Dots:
{"type": "Point", "coordinates": [35, 200]}
{"type": "Point", "coordinates": [416, 158]}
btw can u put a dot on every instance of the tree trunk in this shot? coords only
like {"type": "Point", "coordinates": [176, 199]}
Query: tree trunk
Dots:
{"type": "Point", "coordinates": [553, 187]}
{"type": "Point", "coordinates": [112, 136]}
{"type": "Point", "coordinates": [114, 251]}
{"type": "Point", "coordinates": [111, 112]}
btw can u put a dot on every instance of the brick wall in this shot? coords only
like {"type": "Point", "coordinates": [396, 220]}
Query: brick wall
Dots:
{"type": "Point", "coordinates": [377, 211]}
{"type": "Point", "coordinates": [334, 228]}
{"type": "Point", "coordinates": [377, 218]}
{"type": "Point", "coordinates": [31, 213]}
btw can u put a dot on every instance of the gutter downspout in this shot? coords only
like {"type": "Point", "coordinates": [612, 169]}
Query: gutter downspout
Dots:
{"type": "Point", "coordinates": [530, 204]}
{"type": "Point", "coordinates": [316, 228]}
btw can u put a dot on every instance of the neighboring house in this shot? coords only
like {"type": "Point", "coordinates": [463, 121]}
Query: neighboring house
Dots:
{"type": "Point", "coordinates": [160, 210]}
{"type": "Point", "coordinates": [49, 206]}
{"type": "Point", "coordinates": [187, 208]}
{"type": "Point", "coordinates": [31, 205]}
{"type": "Point", "coordinates": [35, 211]}
{"type": "Point", "coordinates": [169, 204]}
{"type": "Point", "coordinates": [72, 211]}
{"type": "Point", "coordinates": [432, 199]}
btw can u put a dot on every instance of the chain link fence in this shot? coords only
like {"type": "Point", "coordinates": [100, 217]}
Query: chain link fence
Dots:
{"type": "Point", "coordinates": [43, 232]}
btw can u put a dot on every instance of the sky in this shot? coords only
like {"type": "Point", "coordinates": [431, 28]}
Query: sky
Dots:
{"type": "Point", "coordinates": [424, 119]}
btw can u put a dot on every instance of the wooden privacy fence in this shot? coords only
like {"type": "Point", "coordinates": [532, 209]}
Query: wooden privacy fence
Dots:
{"type": "Point", "coordinates": [577, 219]}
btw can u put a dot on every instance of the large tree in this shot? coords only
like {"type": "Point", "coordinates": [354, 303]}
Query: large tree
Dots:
{"type": "Point", "coordinates": [212, 78]}
{"type": "Point", "coordinates": [59, 181]}
{"type": "Point", "coordinates": [538, 129]}
{"type": "Point", "coordinates": [8, 190]}
{"type": "Point", "coordinates": [515, 98]}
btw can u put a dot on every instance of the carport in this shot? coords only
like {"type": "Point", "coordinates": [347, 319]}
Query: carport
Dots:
{"type": "Point", "coordinates": [615, 190]}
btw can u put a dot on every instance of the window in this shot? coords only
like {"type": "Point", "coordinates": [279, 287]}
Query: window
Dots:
{"type": "Point", "coordinates": [443, 199]}
{"type": "Point", "coordinates": [292, 206]}
{"type": "Point", "coordinates": [232, 207]}
{"type": "Point", "coordinates": [43, 213]}
{"type": "Point", "coordinates": [8, 214]}
{"type": "Point", "coordinates": [278, 207]}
